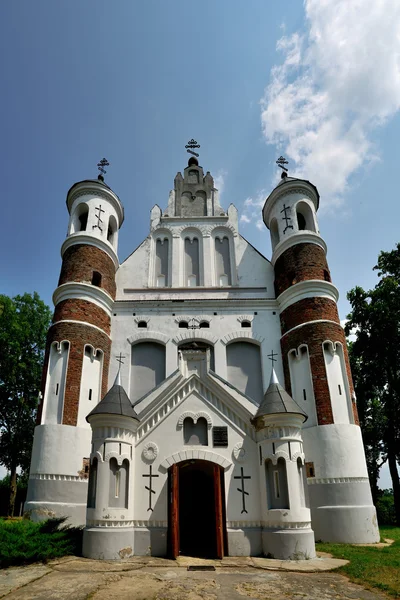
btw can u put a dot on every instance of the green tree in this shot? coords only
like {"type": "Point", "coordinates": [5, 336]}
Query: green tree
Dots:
{"type": "Point", "coordinates": [375, 358]}
{"type": "Point", "coordinates": [24, 321]}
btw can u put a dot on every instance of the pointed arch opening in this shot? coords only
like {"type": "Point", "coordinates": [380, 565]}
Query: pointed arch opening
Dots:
{"type": "Point", "coordinates": [274, 233]}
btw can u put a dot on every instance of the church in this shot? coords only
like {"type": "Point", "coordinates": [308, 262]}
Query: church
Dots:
{"type": "Point", "coordinates": [197, 398]}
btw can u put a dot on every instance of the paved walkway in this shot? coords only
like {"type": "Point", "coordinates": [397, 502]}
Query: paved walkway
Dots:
{"type": "Point", "coordinates": [148, 578]}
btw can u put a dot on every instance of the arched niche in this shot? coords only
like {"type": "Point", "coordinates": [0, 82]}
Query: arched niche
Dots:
{"type": "Point", "coordinates": [305, 217]}
{"type": "Point", "coordinates": [118, 484]}
{"type": "Point", "coordinates": [277, 485]}
{"type": "Point", "coordinates": [55, 386]}
{"type": "Point", "coordinates": [223, 257]}
{"type": "Point", "coordinates": [89, 396]}
{"type": "Point", "coordinates": [195, 434]}
{"type": "Point", "coordinates": [91, 502]}
{"type": "Point", "coordinates": [274, 233]}
{"type": "Point", "coordinates": [162, 251]}
{"type": "Point", "coordinates": [243, 361]}
{"type": "Point", "coordinates": [147, 368]}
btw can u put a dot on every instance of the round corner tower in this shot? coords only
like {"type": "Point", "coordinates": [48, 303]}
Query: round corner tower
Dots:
{"type": "Point", "coordinates": [316, 366]}
{"type": "Point", "coordinates": [75, 372]}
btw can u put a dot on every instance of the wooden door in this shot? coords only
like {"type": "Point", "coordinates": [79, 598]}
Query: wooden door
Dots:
{"type": "Point", "coordinates": [219, 527]}
{"type": "Point", "coordinates": [174, 511]}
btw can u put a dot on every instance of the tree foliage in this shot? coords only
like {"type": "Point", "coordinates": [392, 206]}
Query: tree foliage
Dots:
{"type": "Point", "coordinates": [375, 361]}
{"type": "Point", "coordinates": [24, 321]}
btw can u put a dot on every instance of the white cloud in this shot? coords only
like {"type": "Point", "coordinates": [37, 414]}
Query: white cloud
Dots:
{"type": "Point", "coordinates": [337, 82]}
{"type": "Point", "coordinates": [252, 208]}
{"type": "Point", "coordinates": [219, 181]}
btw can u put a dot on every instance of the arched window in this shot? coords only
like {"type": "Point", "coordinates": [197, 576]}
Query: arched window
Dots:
{"type": "Point", "coordinates": [195, 434]}
{"type": "Point", "coordinates": [274, 233]}
{"type": "Point", "coordinates": [277, 487]}
{"type": "Point", "coordinates": [161, 262]}
{"type": "Point", "coordinates": [183, 325]}
{"type": "Point", "coordinates": [193, 176]}
{"type": "Point", "coordinates": [204, 325]}
{"type": "Point", "coordinates": [327, 277]}
{"type": "Point", "coordinates": [302, 482]}
{"type": "Point", "coordinates": [96, 278]}
{"type": "Point", "coordinates": [305, 219]}
{"type": "Point", "coordinates": [112, 229]}
{"type": "Point", "coordinates": [83, 218]}
{"type": "Point", "coordinates": [246, 324]}
{"type": "Point", "coordinates": [244, 369]}
{"type": "Point", "coordinates": [148, 368]}
{"type": "Point", "coordinates": [91, 503]}
{"type": "Point", "coordinates": [222, 262]}
{"type": "Point", "coordinates": [192, 262]}
{"type": "Point", "coordinates": [119, 484]}
{"type": "Point", "coordinates": [142, 324]}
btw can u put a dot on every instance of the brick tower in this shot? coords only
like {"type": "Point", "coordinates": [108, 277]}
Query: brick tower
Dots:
{"type": "Point", "coordinates": [75, 373]}
{"type": "Point", "coordinates": [316, 366]}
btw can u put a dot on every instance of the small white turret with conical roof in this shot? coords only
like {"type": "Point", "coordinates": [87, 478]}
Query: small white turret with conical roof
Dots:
{"type": "Point", "coordinates": [109, 520]}
{"type": "Point", "coordinates": [286, 517]}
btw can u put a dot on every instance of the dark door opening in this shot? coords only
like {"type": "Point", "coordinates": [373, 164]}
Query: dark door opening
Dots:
{"type": "Point", "coordinates": [196, 516]}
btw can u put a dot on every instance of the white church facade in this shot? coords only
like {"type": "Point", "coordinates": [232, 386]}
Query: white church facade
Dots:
{"type": "Point", "coordinates": [228, 423]}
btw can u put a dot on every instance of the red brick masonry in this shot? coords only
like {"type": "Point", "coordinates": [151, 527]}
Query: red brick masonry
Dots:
{"type": "Point", "coordinates": [82, 310]}
{"type": "Point", "coordinates": [78, 335]}
{"type": "Point", "coordinates": [81, 260]}
{"type": "Point", "coordinates": [300, 263]}
{"type": "Point", "coordinates": [314, 334]}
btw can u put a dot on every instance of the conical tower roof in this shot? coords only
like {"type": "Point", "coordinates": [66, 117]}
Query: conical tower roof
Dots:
{"type": "Point", "coordinates": [277, 401]}
{"type": "Point", "coordinates": [115, 402]}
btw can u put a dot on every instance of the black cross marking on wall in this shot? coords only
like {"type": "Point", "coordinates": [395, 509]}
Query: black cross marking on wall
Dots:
{"type": "Point", "coordinates": [120, 358]}
{"type": "Point", "coordinates": [150, 487]}
{"type": "Point", "coordinates": [98, 217]}
{"type": "Point", "coordinates": [272, 357]}
{"type": "Point", "coordinates": [242, 477]}
{"type": "Point", "coordinates": [286, 218]}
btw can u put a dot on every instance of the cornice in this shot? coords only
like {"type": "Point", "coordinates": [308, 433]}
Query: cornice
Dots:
{"type": "Point", "coordinates": [307, 289]}
{"type": "Point", "coordinates": [90, 240]}
{"type": "Point", "coordinates": [84, 291]}
{"type": "Point", "coordinates": [84, 188]}
{"type": "Point", "coordinates": [293, 186]}
{"type": "Point", "coordinates": [169, 305]}
{"type": "Point", "coordinates": [308, 237]}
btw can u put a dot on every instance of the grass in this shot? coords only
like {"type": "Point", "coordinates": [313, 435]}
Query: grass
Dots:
{"type": "Point", "coordinates": [371, 567]}
{"type": "Point", "coordinates": [23, 542]}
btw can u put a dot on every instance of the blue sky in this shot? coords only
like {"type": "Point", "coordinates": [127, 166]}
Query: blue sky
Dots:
{"type": "Point", "coordinates": [133, 81]}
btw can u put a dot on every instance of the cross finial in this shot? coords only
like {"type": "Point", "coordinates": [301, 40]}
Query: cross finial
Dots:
{"type": "Point", "coordinates": [100, 165]}
{"type": "Point", "coordinates": [120, 358]}
{"type": "Point", "coordinates": [281, 162]}
{"type": "Point", "coordinates": [272, 357]}
{"type": "Point", "coordinates": [192, 144]}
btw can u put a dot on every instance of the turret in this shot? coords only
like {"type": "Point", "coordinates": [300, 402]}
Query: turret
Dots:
{"type": "Point", "coordinates": [316, 366]}
{"type": "Point", "coordinates": [78, 349]}
{"type": "Point", "coordinates": [109, 521]}
{"type": "Point", "coordinates": [286, 517]}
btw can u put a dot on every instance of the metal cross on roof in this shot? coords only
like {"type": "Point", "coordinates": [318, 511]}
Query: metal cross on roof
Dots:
{"type": "Point", "coordinates": [119, 358]}
{"type": "Point", "coordinates": [281, 162]}
{"type": "Point", "coordinates": [192, 144]}
{"type": "Point", "coordinates": [103, 163]}
{"type": "Point", "coordinates": [272, 357]}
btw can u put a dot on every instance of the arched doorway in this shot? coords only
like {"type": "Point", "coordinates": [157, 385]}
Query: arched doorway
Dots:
{"type": "Point", "coordinates": [197, 522]}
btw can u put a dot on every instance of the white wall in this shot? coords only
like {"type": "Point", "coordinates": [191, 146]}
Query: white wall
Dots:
{"type": "Point", "coordinates": [55, 384]}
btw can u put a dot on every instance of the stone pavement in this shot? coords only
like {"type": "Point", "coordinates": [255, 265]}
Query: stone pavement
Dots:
{"type": "Point", "coordinates": [149, 578]}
